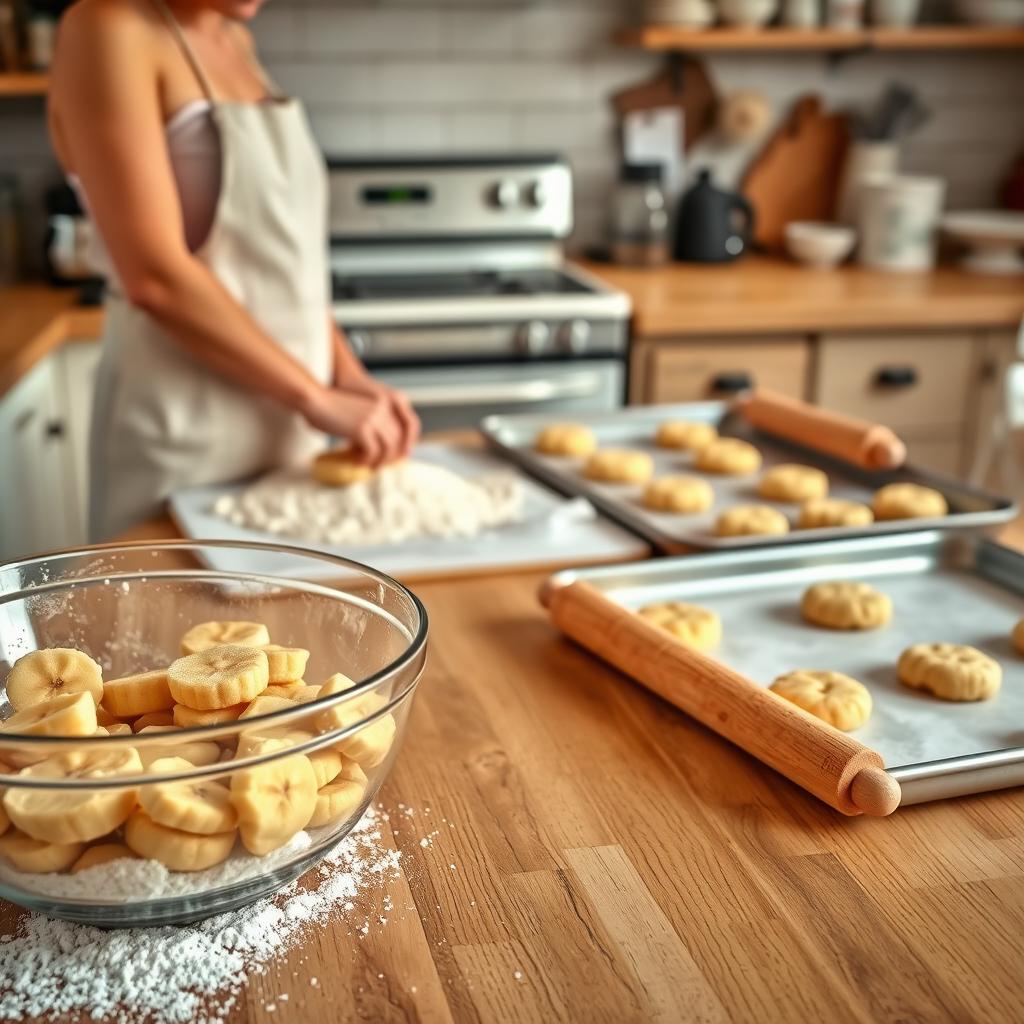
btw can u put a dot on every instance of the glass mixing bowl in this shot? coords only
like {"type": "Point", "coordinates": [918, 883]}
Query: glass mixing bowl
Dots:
{"type": "Point", "coordinates": [202, 819]}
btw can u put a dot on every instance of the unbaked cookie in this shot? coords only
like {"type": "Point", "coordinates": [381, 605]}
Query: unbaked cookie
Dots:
{"type": "Point", "coordinates": [729, 456]}
{"type": "Point", "coordinates": [824, 512]}
{"type": "Point", "coordinates": [679, 494]}
{"type": "Point", "coordinates": [696, 626]}
{"type": "Point", "coordinates": [338, 467]}
{"type": "Point", "coordinates": [683, 434]}
{"type": "Point", "coordinates": [840, 700]}
{"type": "Point", "coordinates": [748, 520]}
{"type": "Point", "coordinates": [950, 671]}
{"type": "Point", "coordinates": [565, 439]}
{"type": "Point", "coordinates": [846, 604]}
{"type": "Point", "coordinates": [908, 501]}
{"type": "Point", "coordinates": [790, 482]}
{"type": "Point", "coordinates": [619, 465]}
{"type": "Point", "coordinates": [1017, 636]}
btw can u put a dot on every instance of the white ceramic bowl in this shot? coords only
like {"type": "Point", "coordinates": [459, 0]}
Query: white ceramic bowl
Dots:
{"type": "Point", "coordinates": [819, 244]}
{"type": "Point", "coordinates": [994, 239]}
{"type": "Point", "coordinates": [747, 13]}
{"type": "Point", "coordinates": [1008, 13]}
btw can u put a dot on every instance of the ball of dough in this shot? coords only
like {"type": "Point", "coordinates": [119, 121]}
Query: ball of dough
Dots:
{"type": "Point", "coordinates": [679, 494]}
{"type": "Point", "coordinates": [696, 626]}
{"type": "Point", "coordinates": [846, 604]}
{"type": "Point", "coordinates": [950, 671]}
{"type": "Point", "coordinates": [729, 456]}
{"type": "Point", "coordinates": [748, 520]}
{"type": "Point", "coordinates": [908, 501]}
{"type": "Point", "coordinates": [1017, 636]}
{"type": "Point", "coordinates": [338, 467]}
{"type": "Point", "coordinates": [790, 482]}
{"type": "Point", "coordinates": [683, 434]}
{"type": "Point", "coordinates": [840, 700]}
{"type": "Point", "coordinates": [823, 512]}
{"type": "Point", "coordinates": [619, 465]}
{"type": "Point", "coordinates": [565, 439]}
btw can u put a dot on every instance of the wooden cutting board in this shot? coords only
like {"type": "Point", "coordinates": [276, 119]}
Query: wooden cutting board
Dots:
{"type": "Point", "coordinates": [796, 175]}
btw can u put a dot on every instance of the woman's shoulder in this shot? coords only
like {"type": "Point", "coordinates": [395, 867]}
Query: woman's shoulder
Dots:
{"type": "Point", "coordinates": [130, 20]}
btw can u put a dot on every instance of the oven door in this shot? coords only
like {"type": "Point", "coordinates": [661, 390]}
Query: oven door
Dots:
{"type": "Point", "coordinates": [454, 397]}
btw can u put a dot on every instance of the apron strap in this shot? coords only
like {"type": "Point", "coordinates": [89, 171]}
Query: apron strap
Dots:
{"type": "Point", "coordinates": [186, 49]}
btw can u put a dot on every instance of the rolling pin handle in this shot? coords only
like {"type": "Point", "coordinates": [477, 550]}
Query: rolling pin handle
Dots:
{"type": "Point", "coordinates": [888, 453]}
{"type": "Point", "coordinates": [875, 792]}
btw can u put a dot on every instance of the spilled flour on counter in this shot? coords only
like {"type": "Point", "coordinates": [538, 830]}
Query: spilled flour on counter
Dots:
{"type": "Point", "coordinates": [193, 973]}
{"type": "Point", "coordinates": [408, 500]}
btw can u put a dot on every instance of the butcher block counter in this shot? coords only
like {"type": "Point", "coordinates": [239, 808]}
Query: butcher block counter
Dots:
{"type": "Point", "coordinates": [601, 857]}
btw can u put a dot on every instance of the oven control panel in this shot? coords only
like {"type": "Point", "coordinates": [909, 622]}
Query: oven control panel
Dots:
{"type": "Point", "coordinates": [450, 199]}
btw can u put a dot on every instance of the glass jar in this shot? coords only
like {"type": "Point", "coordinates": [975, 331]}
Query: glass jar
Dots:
{"type": "Point", "coordinates": [640, 226]}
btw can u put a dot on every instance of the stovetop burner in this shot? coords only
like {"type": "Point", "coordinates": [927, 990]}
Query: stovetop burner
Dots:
{"type": "Point", "coordinates": [481, 284]}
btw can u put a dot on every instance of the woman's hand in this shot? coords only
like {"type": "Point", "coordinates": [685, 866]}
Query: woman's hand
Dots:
{"type": "Point", "coordinates": [400, 406]}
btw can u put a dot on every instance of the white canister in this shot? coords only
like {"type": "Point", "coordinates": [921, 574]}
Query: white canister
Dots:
{"type": "Point", "coordinates": [864, 159]}
{"type": "Point", "coordinates": [899, 217]}
{"type": "Point", "coordinates": [801, 13]}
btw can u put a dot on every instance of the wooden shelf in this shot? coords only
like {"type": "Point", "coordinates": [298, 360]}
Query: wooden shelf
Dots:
{"type": "Point", "coordinates": [23, 83]}
{"type": "Point", "coordinates": [920, 37]}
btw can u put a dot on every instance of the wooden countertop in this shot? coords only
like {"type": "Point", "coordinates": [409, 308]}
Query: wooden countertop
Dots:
{"type": "Point", "coordinates": [615, 861]}
{"type": "Point", "coordinates": [760, 295]}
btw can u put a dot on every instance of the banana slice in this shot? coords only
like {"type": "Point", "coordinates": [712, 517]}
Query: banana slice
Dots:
{"type": "Point", "coordinates": [286, 664]}
{"type": "Point", "coordinates": [284, 689]}
{"type": "Point", "coordinates": [118, 729]}
{"type": "Point", "coordinates": [370, 745]}
{"type": "Point", "coordinates": [140, 694]}
{"type": "Point", "coordinates": [154, 718]}
{"type": "Point", "coordinates": [257, 741]}
{"type": "Point", "coordinates": [200, 753]}
{"type": "Point", "coordinates": [54, 672]}
{"type": "Point", "coordinates": [342, 715]}
{"type": "Point", "coordinates": [304, 694]}
{"type": "Point", "coordinates": [103, 853]}
{"type": "Point", "coordinates": [264, 705]}
{"type": "Point", "coordinates": [203, 807]}
{"type": "Point", "coordinates": [216, 634]}
{"type": "Point", "coordinates": [189, 718]}
{"type": "Point", "coordinates": [71, 714]}
{"type": "Point", "coordinates": [104, 717]}
{"type": "Point", "coordinates": [149, 730]}
{"type": "Point", "coordinates": [32, 855]}
{"type": "Point", "coordinates": [340, 798]}
{"type": "Point", "coordinates": [180, 851]}
{"type": "Point", "coordinates": [74, 814]}
{"type": "Point", "coordinates": [274, 801]}
{"type": "Point", "coordinates": [327, 765]}
{"type": "Point", "coordinates": [5, 822]}
{"type": "Point", "coordinates": [219, 677]}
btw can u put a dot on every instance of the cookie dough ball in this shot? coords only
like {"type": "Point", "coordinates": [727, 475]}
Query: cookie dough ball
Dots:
{"type": "Point", "coordinates": [698, 627]}
{"type": "Point", "coordinates": [338, 467]}
{"type": "Point", "coordinates": [619, 466]}
{"type": "Point", "coordinates": [679, 494]}
{"type": "Point", "coordinates": [790, 482]}
{"type": "Point", "coordinates": [846, 604]}
{"type": "Point", "coordinates": [1017, 636]}
{"type": "Point", "coordinates": [565, 439]}
{"type": "Point", "coordinates": [840, 700]}
{"type": "Point", "coordinates": [950, 671]}
{"type": "Point", "coordinates": [748, 520]}
{"type": "Point", "coordinates": [908, 501]}
{"type": "Point", "coordinates": [729, 456]}
{"type": "Point", "coordinates": [823, 512]}
{"type": "Point", "coordinates": [683, 434]}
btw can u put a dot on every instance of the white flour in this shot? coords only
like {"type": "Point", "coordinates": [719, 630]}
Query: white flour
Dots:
{"type": "Point", "coordinates": [174, 975]}
{"type": "Point", "coordinates": [412, 499]}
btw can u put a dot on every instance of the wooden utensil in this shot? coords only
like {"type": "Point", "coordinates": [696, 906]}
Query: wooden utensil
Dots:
{"type": "Point", "coordinates": [836, 768]}
{"type": "Point", "coordinates": [796, 175]}
{"type": "Point", "coordinates": [868, 445]}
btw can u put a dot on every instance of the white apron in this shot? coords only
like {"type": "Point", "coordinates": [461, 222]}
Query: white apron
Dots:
{"type": "Point", "coordinates": [161, 419]}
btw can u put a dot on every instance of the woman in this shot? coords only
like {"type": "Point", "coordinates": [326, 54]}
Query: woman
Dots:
{"type": "Point", "coordinates": [220, 358]}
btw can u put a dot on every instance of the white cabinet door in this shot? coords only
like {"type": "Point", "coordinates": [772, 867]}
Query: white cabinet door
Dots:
{"type": "Point", "coordinates": [78, 361]}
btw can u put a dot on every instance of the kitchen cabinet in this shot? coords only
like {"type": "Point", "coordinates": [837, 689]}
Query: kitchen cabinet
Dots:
{"type": "Point", "coordinates": [77, 363]}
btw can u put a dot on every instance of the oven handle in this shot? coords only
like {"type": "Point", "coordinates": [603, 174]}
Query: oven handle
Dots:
{"type": "Point", "coordinates": [523, 392]}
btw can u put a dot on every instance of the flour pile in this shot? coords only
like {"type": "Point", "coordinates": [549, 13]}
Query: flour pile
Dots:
{"type": "Point", "coordinates": [174, 975]}
{"type": "Point", "coordinates": [411, 499]}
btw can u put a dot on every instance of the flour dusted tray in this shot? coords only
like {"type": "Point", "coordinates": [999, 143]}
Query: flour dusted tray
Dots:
{"type": "Point", "coordinates": [951, 586]}
{"type": "Point", "coordinates": [674, 533]}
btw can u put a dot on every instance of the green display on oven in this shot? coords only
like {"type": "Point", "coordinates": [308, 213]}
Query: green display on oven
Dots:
{"type": "Point", "coordinates": [396, 195]}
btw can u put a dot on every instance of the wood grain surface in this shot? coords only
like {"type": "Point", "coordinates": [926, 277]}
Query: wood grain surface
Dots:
{"type": "Point", "coordinates": [616, 861]}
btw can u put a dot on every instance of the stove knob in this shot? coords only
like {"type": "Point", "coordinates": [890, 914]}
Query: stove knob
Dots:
{"type": "Point", "coordinates": [505, 194]}
{"type": "Point", "coordinates": [359, 343]}
{"type": "Point", "coordinates": [537, 195]}
{"type": "Point", "coordinates": [573, 337]}
{"type": "Point", "coordinates": [532, 338]}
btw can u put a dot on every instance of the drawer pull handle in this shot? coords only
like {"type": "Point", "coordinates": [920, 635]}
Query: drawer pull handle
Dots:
{"type": "Point", "coordinates": [896, 377]}
{"type": "Point", "coordinates": [732, 383]}
{"type": "Point", "coordinates": [55, 428]}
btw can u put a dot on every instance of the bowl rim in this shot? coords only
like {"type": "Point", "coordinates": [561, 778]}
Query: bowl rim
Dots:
{"type": "Point", "coordinates": [412, 652]}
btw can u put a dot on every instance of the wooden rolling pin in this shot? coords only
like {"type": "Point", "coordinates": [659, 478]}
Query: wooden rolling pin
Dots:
{"type": "Point", "coordinates": [864, 444]}
{"type": "Point", "coordinates": [833, 766]}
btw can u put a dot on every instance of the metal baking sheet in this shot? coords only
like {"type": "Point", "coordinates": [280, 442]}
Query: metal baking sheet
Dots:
{"type": "Point", "coordinates": [945, 586]}
{"type": "Point", "coordinates": [674, 533]}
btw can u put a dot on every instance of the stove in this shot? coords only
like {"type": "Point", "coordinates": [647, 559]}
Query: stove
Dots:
{"type": "Point", "coordinates": [450, 280]}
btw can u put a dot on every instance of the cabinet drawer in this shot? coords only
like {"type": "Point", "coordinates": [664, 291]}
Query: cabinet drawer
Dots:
{"type": "Point", "coordinates": [937, 454]}
{"type": "Point", "coordinates": [694, 373]}
{"type": "Point", "coordinates": [902, 381]}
